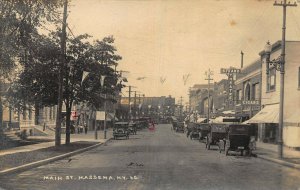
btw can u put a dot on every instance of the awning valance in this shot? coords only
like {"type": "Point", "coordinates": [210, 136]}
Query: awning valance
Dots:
{"type": "Point", "coordinates": [269, 114]}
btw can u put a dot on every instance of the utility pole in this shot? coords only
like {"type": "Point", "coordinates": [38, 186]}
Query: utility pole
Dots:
{"type": "Point", "coordinates": [190, 101]}
{"type": "Point", "coordinates": [284, 5]}
{"type": "Point", "coordinates": [129, 99]}
{"type": "Point", "coordinates": [180, 107]}
{"type": "Point", "coordinates": [61, 74]}
{"type": "Point", "coordinates": [134, 105]}
{"type": "Point", "coordinates": [208, 74]}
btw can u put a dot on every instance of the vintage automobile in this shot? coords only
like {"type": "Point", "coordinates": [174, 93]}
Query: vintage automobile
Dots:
{"type": "Point", "coordinates": [204, 130]}
{"type": "Point", "coordinates": [189, 128]}
{"type": "Point", "coordinates": [179, 127]}
{"type": "Point", "coordinates": [194, 130]}
{"type": "Point", "coordinates": [237, 139]}
{"type": "Point", "coordinates": [217, 132]}
{"type": "Point", "coordinates": [174, 125]}
{"type": "Point", "coordinates": [121, 129]}
{"type": "Point", "coordinates": [132, 126]}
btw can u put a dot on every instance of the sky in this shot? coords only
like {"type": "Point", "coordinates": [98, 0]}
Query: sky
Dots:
{"type": "Point", "coordinates": [165, 40]}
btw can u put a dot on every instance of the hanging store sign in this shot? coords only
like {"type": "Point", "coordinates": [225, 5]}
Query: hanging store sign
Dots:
{"type": "Point", "coordinates": [230, 88]}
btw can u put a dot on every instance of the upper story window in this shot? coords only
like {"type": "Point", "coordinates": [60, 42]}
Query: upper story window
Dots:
{"type": "Point", "coordinates": [256, 91]}
{"type": "Point", "coordinates": [271, 80]}
{"type": "Point", "coordinates": [247, 92]}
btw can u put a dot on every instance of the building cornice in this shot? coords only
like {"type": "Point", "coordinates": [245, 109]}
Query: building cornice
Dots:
{"type": "Point", "coordinates": [248, 76]}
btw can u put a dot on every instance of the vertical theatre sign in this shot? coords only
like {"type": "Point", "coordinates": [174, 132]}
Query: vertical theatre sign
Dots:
{"type": "Point", "coordinates": [230, 73]}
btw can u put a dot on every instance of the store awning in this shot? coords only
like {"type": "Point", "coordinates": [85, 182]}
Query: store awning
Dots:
{"type": "Point", "coordinates": [229, 112]}
{"type": "Point", "coordinates": [269, 114]}
{"type": "Point", "coordinates": [200, 120]}
{"type": "Point", "coordinates": [111, 116]}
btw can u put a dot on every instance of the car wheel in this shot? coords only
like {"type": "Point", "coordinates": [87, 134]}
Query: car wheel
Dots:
{"type": "Point", "coordinates": [208, 146]}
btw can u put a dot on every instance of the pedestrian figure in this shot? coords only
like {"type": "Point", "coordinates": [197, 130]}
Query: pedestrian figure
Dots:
{"type": "Point", "coordinates": [78, 129]}
{"type": "Point", "coordinates": [44, 127]}
{"type": "Point", "coordinates": [85, 128]}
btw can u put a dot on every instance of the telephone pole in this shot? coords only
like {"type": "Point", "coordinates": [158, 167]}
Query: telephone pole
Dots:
{"type": "Point", "coordinates": [180, 107]}
{"type": "Point", "coordinates": [208, 74]}
{"type": "Point", "coordinates": [284, 5]}
{"type": "Point", "coordinates": [129, 100]}
{"type": "Point", "coordinates": [61, 74]}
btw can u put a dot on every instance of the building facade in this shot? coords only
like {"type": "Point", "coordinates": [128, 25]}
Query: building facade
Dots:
{"type": "Point", "coordinates": [268, 117]}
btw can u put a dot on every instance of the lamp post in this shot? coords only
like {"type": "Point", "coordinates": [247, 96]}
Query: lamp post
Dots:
{"type": "Point", "coordinates": [278, 64]}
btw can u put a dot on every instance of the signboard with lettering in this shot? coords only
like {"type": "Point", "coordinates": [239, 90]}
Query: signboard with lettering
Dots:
{"type": "Point", "coordinates": [230, 88]}
{"type": "Point", "coordinates": [231, 70]}
{"type": "Point", "coordinates": [251, 102]}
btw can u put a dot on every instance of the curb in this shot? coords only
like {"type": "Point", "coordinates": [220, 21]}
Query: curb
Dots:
{"type": "Point", "coordinates": [48, 160]}
{"type": "Point", "coordinates": [280, 162]}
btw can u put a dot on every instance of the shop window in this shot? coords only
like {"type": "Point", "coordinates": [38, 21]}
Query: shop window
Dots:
{"type": "Point", "coordinates": [271, 80]}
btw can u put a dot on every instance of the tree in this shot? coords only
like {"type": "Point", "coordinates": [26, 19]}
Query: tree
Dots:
{"type": "Point", "coordinates": [37, 82]}
{"type": "Point", "coordinates": [18, 20]}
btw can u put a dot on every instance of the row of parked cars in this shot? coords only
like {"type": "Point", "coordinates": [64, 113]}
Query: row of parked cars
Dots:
{"type": "Point", "coordinates": [126, 128]}
{"type": "Point", "coordinates": [225, 136]}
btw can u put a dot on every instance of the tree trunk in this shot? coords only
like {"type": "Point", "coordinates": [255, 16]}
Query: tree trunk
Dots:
{"type": "Point", "coordinates": [36, 113]}
{"type": "Point", "coordinates": [68, 123]}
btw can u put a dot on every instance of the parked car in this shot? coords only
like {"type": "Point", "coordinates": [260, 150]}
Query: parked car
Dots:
{"type": "Point", "coordinates": [217, 132]}
{"type": "Point", "coordinates": [179, 127]}
{"type": "Point", "coordinates": [132, 128]}
{"type": "Point", "coordinates": [204, 130]}
{"type": "Point", "coordinates": [194, 131]}
{"type": "Point", "coordinates": [121, 129]}
{"type": "Point", "coordinates": [237, 139]}
{"type": "Point", "coordinates": [189, 128]}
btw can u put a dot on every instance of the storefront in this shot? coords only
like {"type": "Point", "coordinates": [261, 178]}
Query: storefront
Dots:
{"type": "Point", "coordinates": [267, 121]}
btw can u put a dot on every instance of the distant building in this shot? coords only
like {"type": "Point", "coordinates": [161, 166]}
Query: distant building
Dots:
{"type": "Point", "coordinates": [143, 106]}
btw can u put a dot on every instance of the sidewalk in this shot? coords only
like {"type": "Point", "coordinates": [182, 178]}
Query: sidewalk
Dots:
{"type": "Point", "coordinates": [269, 152]}
{"type": "Point", "coordinates": [90, 136]}
{"type": "Point", "coordinates": [26, 157]}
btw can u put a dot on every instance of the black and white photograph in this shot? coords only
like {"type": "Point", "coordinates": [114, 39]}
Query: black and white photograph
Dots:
{"type": "Point", "coordinates": [150, 94]}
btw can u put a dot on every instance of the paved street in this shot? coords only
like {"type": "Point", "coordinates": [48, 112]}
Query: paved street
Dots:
{"type": "Point", "coordinates": [161, 159]}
